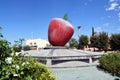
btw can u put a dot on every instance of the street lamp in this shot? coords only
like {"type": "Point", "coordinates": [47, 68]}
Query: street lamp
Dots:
{"type": "Point", "coordinates": [79, 31]}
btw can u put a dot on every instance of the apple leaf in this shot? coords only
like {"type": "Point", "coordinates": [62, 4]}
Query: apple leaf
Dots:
{"type": "Point", "coordinates": [65, 17]}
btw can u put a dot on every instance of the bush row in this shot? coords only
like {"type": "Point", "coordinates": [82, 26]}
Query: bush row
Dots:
{"type": "Point", "coordinates": [110, 63]}
{"type": "Point", "coordinates": [16, 67]}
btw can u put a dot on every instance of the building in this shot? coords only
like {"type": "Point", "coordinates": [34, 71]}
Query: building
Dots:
{"type": "Point", "coordinates": [37, 43]}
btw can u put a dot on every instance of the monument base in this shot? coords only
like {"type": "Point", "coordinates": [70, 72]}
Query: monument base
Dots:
{"type": "Point", "coordinates": [55, 47]}
{"type": "Point", "coordinates": [57, 56]}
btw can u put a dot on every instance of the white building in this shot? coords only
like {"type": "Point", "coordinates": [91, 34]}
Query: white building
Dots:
{"type": "Point", "coordinates": [37, 43]}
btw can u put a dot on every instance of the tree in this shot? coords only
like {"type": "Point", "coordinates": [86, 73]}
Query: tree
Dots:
{"type": "Point", "coordinates": [18, 46]}
{"type": "Point", "coordinates": [94, 41]}
{"type": "Point", "coordinates": [1, 36]}
{"type": "Point", "coordinates": [115, 41]}
{"type": "Point", "coordinates": [73, 43]}
{"type": "Point", "coordinates": [103, 41]}
{"type": "Point", "coordinates": [19, 42]}
{"type": "Point", "coordinates": [93, 31]}
{"type": "Point", "coordinates": [5, 51]}
{"type": "Point", "coordinates": [83, 41]}
{"type": "Point", "coordinates": [0, 27]}
{"type": "Point", "coordinates": [26, 48]}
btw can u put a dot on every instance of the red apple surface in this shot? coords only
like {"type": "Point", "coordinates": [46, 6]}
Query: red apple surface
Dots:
{"type": "Point", "coordinates": [59, 32]}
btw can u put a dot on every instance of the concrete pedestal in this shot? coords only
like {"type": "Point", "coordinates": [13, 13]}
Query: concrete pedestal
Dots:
{"type": "Point", "coordinates": [49, 62]}
{"type": "Point", "coordinates": [90, 59]}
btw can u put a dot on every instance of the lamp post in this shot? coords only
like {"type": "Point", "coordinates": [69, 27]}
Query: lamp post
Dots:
{"type": "Point", "coordinates": [79, 31]}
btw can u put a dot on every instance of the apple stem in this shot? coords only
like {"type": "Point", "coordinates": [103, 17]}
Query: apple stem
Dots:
{"type": "Point", "coordinates": [65, 17]}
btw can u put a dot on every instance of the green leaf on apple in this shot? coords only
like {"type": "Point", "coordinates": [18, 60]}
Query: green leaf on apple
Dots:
{"type": "Point", "coordinates": [65, 17]}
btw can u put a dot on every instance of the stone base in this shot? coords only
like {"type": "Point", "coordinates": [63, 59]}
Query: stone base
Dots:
{"type": "Point", "coordinates": [56, 47]}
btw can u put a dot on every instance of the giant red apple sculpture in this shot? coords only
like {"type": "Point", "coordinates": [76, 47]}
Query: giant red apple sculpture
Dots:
{"type": "Point", "coordinates": [59, 32]}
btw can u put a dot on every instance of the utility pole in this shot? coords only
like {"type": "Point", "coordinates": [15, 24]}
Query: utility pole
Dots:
{"type": "Point", "coordinates": [79, 31]}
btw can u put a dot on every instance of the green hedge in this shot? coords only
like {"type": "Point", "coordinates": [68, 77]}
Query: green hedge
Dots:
{"type": "Point", "coordinates": [110, 63]}
{"type": "Point", "coordinates": [19, 68]}
{"type": "Point", "coordinates": [16, 67]}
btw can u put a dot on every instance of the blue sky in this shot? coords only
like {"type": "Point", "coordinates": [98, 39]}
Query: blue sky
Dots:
{"type": "Point", "coordinates": [30, 18]}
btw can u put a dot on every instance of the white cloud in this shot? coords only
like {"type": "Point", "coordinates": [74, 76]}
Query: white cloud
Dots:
{"type": "Point", "coordinates": [111, 0]}
{"type": "Point", "coordinates": [113, 6]}
{"type": "Point", "coordinates": [118, 7]}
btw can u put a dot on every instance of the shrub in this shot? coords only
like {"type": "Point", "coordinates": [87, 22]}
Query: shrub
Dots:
{"type": "Point", "coordinates": [26, 48]}
{"type": "Point", "coordinates": [17, 48]}
{"type": "Point", "coordinates": [110, 63]}
{"type": "Point", "coordinates": [17, 67]}
{"type": "Point", "coordinates": [5, 51]}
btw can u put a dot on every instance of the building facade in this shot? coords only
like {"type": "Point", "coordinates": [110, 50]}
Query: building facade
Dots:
{"type": "Point", "coordinates": [37, 43]}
